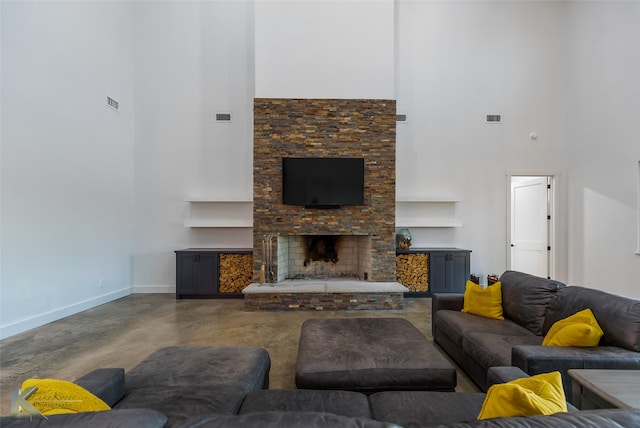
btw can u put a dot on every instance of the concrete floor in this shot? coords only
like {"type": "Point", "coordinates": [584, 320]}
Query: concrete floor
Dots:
{"type": "Point", "coordinates": [122, 333]}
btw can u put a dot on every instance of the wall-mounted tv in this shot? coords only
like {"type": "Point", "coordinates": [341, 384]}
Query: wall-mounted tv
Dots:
{"type": "Point", "coordinates": [322, 182]}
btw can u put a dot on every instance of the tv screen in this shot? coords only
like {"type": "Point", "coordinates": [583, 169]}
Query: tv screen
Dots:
{"type": "Point", "coordinates": [323, 182]}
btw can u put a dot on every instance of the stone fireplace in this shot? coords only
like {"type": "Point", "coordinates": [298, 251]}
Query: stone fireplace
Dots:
{"type": "Point", "coordinates": [354, 241]}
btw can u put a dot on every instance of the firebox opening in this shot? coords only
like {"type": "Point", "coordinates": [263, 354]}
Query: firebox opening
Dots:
{"type": "Point", "coordinates": [321, 248]}
{"type": "Point", "coordinates": [307, 256]}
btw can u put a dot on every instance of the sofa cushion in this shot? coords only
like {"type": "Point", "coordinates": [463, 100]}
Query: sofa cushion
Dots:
{"type": "Point", "coordinates": [246, 368]}
{"type": "Point", "coordinates": [587, 418]}
{"type": "Point", "coordinates": [279, 419]}
{"type": "Point", "coordinates": [180, 403]}
{"type": "Point", "coordinates": [579, 329]}
{"type": "Point", "coordinates": [536, 395]}
{"type": "Point", "coordinates": [108, 419]}
{"type": "Point", "coordinates": [525, 298]}
{"type": "Point", "coordinates": [456, 325]}
{"type": "Point", "coordinates": [106, 383]}
{"type": "Point", "coordinates": [419, 408]}
{"type": "Point", "coordinates": [494, 349]}
{"type": "Point", "coordinates": [345, 403]}
{"type": "Point", "coordinates": [483, 301]}
{"type": "Point", "coordinates": [618, 316]}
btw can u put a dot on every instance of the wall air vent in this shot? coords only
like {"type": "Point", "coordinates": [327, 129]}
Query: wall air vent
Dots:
{"type": "Point", "coordinates": [113, 103]}
{"type": "Point", "coordinates": [494, 118]}
{"type": "Point", "coordinates": [402, 118]}
{"type": "Point", "coordinates": [223, 117]}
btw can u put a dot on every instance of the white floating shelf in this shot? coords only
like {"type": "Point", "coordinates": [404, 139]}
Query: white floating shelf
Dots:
{"type": "Point", "coordinates": [428, 223]}
{"type": "Point", "coordinates": [214, 212]}
{"type": "Point", "coordinates": [426, 212]}
{"type": "Point", "coordinates": [218, 223]}
{"type": "Point", "coordinates": [427, 200]}
{"type": "Point", "coordinates": [214, 200]}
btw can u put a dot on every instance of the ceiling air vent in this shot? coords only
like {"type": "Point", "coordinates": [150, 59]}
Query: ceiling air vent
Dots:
{"type": "Point", "coordinates": [494, 118]}
{"type": "Point", "coordinates": [113, 103]}
{"type": "Point", "coordinates": [402, 117]}
{"type": "Point", "coordinates": [223, 117]}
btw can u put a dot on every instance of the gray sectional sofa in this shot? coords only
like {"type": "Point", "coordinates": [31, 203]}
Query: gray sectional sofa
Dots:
{"type": "Point", "coordinates": [531, 305]}
{"type": "Point", "coordinates": [177, 407]}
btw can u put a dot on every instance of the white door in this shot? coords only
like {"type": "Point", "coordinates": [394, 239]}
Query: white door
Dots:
{"type": "Point", "coordinates": [530, 225]}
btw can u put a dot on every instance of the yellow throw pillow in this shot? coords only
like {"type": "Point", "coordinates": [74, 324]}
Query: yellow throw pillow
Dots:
{"type": "Point", "coordinates": [485, 302]}
{"type": "Point", "coordinates": [536, 395]}
{"type": "Point", "coordinates": [60, 396]}
{"type": "Point", "coordinates": [580, 329]}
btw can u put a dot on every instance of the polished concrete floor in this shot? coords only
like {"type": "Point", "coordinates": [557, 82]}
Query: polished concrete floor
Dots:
{"type": "Point", "coordinates": [122, 333]}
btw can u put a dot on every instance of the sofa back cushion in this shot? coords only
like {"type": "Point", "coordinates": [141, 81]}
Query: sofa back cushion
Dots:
{"type": "Point", "coordinates": [618, 316]}
{"type": "Point", "coordinates": [525, 298]}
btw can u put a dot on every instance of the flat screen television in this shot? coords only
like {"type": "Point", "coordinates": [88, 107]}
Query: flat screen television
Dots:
{"type": "Point", "coordinates": [322, 182]}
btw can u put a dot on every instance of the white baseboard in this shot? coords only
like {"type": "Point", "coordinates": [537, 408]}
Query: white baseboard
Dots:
{"type": "Point", "coordinates": [142, 289]}
{"type": "Point", "coordinates": [47, 317]}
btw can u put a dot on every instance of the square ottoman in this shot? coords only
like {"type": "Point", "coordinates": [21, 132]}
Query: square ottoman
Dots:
{"type": "Point", "coordinates": [370, 355]}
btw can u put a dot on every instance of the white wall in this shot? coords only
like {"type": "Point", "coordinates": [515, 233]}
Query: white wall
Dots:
{"type": "Point", "coordinates": [192, 60]}
{"type": "Point", "coordinates": [456, 63]}
{"type": "Point", "coordinates": [76, 190]}
{"type": "Point", "coordinates": [324, 49]}
{"type": "Point", "coordinates": [603, 100]}
{"type": "Point", "coordinates": [67, 159]}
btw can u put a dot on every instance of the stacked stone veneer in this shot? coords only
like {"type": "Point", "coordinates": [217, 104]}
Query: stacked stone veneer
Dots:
{"type": "Point", "coordinates": [323, 301]}
{"type": "Point", "coordinates": [326, 128]}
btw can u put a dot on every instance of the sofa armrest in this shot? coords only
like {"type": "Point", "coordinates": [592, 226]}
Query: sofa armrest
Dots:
{"type": "Point", "coordinates": [447, 301]}
{"type": "Point", "coordinates": [543, 359]}
{"type": "Point", "coordinates": [107, 384]}
{"type": "Point", "coordinates": [504, 374]}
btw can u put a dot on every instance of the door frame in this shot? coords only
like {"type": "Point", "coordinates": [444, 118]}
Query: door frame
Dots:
{"type": "Point", "coordinates": [551, 210]}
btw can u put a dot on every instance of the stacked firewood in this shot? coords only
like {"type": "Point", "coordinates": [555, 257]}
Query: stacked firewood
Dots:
{"type": "Point", "coordinates": [236, 272]}
{"type": "Point", "coordinates": [412, 271]}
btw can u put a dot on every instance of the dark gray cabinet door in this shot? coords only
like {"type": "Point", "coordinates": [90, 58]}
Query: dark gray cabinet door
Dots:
{"type": "Point", "coordinates": [448, 270]}
{"type": "Point", "coordinates": [196, 274]}
{"type": "Point", "coordinates": [459, 271]}
{"type": "Point", "coordinates": [438, 272]}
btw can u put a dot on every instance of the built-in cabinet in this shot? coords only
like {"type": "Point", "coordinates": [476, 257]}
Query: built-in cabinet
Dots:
{"type": "Point", "coordinates": [213, 272]}
{"type": "Point", "coordinates": [447, 270]}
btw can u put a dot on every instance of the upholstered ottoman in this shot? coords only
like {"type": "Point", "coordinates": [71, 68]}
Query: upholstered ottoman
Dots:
{"type": "Point", "coordinates": [370, 355]}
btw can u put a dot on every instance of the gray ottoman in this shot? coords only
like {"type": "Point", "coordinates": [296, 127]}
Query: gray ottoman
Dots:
{"type": "Point", "coordinates": [370, 355]}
